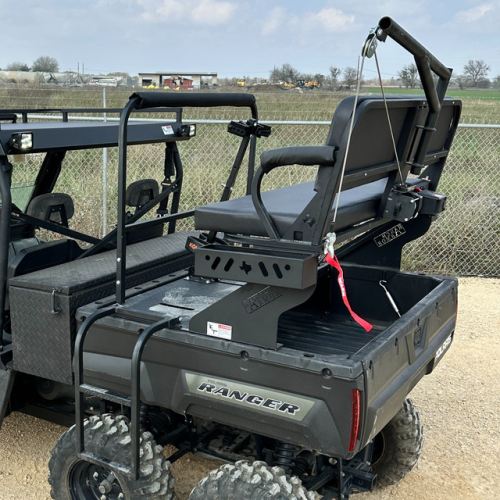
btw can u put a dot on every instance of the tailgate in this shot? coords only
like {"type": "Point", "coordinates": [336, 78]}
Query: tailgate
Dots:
{"type": "Point", "coordinates": [409, 349]}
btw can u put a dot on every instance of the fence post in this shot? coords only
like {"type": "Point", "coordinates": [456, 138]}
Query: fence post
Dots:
{"type": "Point", "coordinates": [104, 177]}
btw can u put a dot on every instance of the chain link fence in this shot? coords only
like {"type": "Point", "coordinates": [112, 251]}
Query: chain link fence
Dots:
{"type": "Point", "coordinates": [465, 240]}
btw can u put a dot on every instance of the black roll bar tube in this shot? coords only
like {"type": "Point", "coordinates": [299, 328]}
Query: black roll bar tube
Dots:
{"type": "Point", "coordinates": [121, 257]}
{"type": "Point", "coordinates": [422, 56]}
{"type": "Point", "coordinates": [425, 62]}
{"type": "Point", "coordinates": [65, 112]}
{"type": "Point", "coordinates": [148, 100]}
{"type": "Point", "coordinates": [251, 163]}
{"type": "Point", "coordinates": [6, 208]}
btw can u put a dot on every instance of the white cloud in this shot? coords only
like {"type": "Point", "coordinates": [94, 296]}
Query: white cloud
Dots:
{"type": "Point", "coordinates": [274, 21]}
{"type": "Point", "coordinates": [471, 15]}
{"type": "Point", "coordinates": [331, 19]}
{"type": "Point", "coordinates": [327, 19]}
{"type": "Point", "coordinates": [205, 12]}
{"type": "Point", "coordinates": [211, 12]}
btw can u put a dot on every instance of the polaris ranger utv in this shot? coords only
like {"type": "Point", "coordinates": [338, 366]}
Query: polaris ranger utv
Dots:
{"type": "Point", "coordinates": [281, 337]}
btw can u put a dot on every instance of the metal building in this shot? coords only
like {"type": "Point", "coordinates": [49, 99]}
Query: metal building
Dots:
{"type": "Point", "coordinates": [162, 79]}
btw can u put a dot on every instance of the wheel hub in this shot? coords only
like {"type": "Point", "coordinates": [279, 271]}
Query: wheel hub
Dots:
{"type": "Point", "coordinates": [90, 482]}
{"type": "Point", "coordinates": [107, 484]}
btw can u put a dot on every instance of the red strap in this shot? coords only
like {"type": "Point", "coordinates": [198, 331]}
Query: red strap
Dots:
{"type": "Point", "coordinates": [334, 262]}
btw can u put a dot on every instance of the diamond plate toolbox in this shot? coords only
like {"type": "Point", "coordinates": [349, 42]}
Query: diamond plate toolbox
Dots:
{"type": "Point", "coordinates": [44, 303]}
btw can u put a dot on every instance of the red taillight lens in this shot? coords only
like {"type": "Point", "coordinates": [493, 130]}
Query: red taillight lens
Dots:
{"type": "Point", "coordinates": [355, 418]}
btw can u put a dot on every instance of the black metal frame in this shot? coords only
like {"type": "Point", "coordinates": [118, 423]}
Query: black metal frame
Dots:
{"type": "Point", "coordinates": [44, 183]}
{"type": "Point", "coordinates": [5, 215]}
{"type": "Point", "coordinates": [134, 401]}
{"type": "Point", "coordinates": [153, 101]}
{"type": "Point", "coordinates": [124, 226]}
{"type": "Point", "coordinates": [66, 112]}
{"type": "Point", "coordinates": [52, 164]}
{"type": "Point", "coordinates": [425, 62]}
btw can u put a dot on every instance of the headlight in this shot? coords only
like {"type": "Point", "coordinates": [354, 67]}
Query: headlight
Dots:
{"type": "Point", "coordinates": [21, 141]}
{"type": "Point", "coordinates": [187, 130]}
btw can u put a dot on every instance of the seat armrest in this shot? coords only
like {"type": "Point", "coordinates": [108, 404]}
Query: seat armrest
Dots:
{"type": "Point", "coordinates": [299, 155]}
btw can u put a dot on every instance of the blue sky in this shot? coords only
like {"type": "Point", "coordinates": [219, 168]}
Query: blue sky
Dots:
{"type": "Point", "coordinates": [239, 37]}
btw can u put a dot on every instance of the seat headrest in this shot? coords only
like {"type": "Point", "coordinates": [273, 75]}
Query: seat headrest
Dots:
{"type": "Point", "coordinates": [53, 207]}
{"type": "Point", "coordinates": [140, 192]}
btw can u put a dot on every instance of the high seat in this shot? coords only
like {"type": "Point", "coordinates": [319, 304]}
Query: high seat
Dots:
{"type": "Point", "coordinates": [272, 240]}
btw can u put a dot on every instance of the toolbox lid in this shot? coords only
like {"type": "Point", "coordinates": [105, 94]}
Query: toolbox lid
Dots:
{"type": "Point", "coordinates": [78, 275]}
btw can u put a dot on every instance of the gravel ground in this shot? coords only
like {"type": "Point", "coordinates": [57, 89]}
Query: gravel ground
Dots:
{"type": "Point", "coordinates": [459, 407]}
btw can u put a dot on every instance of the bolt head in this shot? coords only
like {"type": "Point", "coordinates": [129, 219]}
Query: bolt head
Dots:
{"type": "Point", "coordinates": [96, 475]}
{"type": "Point", "coordinates": [105, 487]}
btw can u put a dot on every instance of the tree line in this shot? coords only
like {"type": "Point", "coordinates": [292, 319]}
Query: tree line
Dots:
{"type": "Point", "coordinates": [43, 64]}
{"type": "Point", "coordinates": [475, 74]}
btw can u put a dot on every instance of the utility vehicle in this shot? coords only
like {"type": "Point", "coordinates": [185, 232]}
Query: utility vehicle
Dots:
{"type": "Point", "coordinates": [280, 337]}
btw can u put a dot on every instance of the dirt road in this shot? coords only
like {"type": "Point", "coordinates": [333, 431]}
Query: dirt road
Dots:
{"type": "Point", "coordinates": [459, 406]}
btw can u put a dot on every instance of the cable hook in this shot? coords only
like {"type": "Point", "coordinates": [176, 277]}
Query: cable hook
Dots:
{"type": "Point", "coordinates": [383, 284]}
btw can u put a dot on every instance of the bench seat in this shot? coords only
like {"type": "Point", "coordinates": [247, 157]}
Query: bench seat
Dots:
{"type": "Point", "coordinates": [285, 205]}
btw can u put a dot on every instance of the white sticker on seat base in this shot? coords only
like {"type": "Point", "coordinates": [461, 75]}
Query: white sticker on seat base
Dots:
{"type": "Point", "coordinates": [220, 331]}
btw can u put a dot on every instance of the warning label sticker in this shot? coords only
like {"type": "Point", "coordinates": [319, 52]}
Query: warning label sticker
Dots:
{"type": "Point", "coordinates": [390, 235]}
{"type": "Point", "coordinates": [167, 129]}
{"type": "Point", "coordinates": [220, 331]}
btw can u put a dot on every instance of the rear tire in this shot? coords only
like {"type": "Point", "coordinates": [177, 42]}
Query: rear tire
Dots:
{"type": "Point", "coordinates": [244, 480]}
{"type": "Point", "coordinates": [398, 446]}
{"type": "Point", "coordinates": [108, 437]}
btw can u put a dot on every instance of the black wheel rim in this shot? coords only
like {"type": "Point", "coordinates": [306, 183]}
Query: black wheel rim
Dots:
{"type": "Point", "coordinates": [86, 478]}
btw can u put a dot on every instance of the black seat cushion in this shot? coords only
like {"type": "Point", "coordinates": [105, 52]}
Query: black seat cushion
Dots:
{"type": "Point", "coordinates": [284, 205]}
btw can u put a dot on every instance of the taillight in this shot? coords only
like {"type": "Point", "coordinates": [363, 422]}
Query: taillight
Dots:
{"type": "Point", "coordinates": [355, 418]}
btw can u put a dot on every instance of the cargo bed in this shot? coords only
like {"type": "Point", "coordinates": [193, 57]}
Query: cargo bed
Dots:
{"type": "Point", "coordinates": [321, 357]}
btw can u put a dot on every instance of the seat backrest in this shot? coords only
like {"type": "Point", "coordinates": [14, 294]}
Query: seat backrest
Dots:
{"type": "Point", "coordinates": [371, 150]}
{"type": "Point", "coordinates": [54, 207]}
{"type": "Point", "coordinates": [141, 192]}
{"type": "Point", "coordinates": [138, 194]}
{"type": "Point", "coordinates": [370, 155]}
